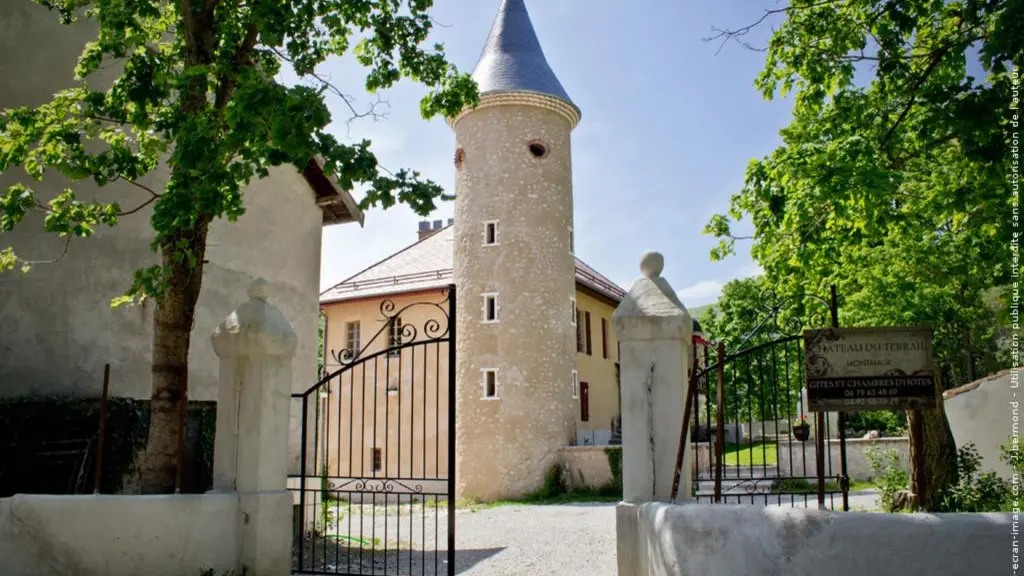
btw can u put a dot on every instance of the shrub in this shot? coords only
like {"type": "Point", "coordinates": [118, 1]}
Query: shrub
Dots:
{"type": "Point", "coordinates": [890, 475]}
{"type": "Point", "coordinates": [887, 423]}
{"type": "Point", "coordinates": [974, 491]}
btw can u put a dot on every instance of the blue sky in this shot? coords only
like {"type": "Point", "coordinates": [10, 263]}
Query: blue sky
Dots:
{"type": "Point", "coordinates": [668, 129]}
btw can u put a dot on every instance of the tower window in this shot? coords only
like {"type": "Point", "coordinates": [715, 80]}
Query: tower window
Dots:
{"type": "Point", "coordinates": [491, 307]}
{"type": "Point", "coordinates": [460, 157]}
{"type": "Point", "coordinates": [538, 149]}
{"type": "Point", "coordinates": [491, 233]}
{"type": "Point", "coordinates": [575, 384]}
{"type": "Point", "coordinates": [572, 241]}
{"type": "Point", "coordinates": [489, 381]}
{"type": "Point", "coordinates": [574, 311]}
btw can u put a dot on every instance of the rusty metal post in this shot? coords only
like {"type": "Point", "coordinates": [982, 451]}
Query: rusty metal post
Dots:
{"type": "Point", "coordinates": [720, 422]}
{"type": "Point", "coordinates": [688, 408]}
{"type": "Point", "coordinates": [182, 419]}
{"type": "Point", "coordinates": [101, 436]}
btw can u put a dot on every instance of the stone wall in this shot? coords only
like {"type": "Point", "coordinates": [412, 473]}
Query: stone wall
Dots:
{"type": "Point", "coordinates": [586, 467]}
{"type": "Point", "coordinates": [792, 453]}
{"type": "Point", "coordinates": [118, 535]}
{"type": "Point", "coordinates": [695, 540]}
{"type": "Point", "coordinates": [531, 269]}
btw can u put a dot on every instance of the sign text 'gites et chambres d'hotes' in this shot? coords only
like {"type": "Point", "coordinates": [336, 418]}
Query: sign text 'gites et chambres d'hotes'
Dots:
{"type": "Point", "coordinates": [853, 369]}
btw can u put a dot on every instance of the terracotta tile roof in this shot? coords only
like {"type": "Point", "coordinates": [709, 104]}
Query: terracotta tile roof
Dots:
{"type": "Point", "coordinates": [427, 265]}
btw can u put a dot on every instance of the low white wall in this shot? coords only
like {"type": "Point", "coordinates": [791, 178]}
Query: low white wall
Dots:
{"type": "Point", "coordinates": [857, 465]}
{"type": "Point", "coordinates": [174, 535]}
{"type": "Point", "coordinates": [985, 412]}
{"type": "Point", "coordinates": [700, 540]}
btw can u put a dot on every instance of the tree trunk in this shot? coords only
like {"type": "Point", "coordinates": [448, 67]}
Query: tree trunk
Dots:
{"type": "Point", "coordinates": [172, 331]}
{"type": "Point", "coordinates": [938, 455]}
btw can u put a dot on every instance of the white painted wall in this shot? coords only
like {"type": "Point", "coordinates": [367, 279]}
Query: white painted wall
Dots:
{"type": "Point", "coordinates": [118, 535]}
{"type": "Point", "coordinates": [697, 540]}
{"type": "Point", "coordinates": [986, 413]}
{"type": "Point", "coordinates": [59, 327]}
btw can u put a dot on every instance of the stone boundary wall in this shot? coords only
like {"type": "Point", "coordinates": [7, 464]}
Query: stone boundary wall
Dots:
{"type": "Point", "coordinates": [857, 465]}
{"type": "Point", "coordinates": [587, 467]}
{"type": "Point", "coordinates": [657, 539]}
{"type": "Point", "coordinates": [107, 535]}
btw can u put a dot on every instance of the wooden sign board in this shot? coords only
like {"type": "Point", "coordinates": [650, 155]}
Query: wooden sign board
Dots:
{"type": "Point", "coordinates": [856, 369]}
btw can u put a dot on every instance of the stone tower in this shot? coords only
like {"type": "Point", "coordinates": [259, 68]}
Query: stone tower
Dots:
{"type": "Point", "coordinates": [514, 267]}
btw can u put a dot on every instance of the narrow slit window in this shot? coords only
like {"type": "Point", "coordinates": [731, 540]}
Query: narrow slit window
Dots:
{"type": "Point", "coordinates": [574, 311]}
{"type": "Point", "coordinates": [491, 233]}
{"type": "Point", "coordinates": [581, 343]}
{"type": "Point", "coordinates": [377, 460]}
{"type": "Point", "coordinates": [490, 307]}
{"type": "Point", "coordinates": [490, 383]}
{"type": "Point", "coordinates": [575, 384]}
{"type": "Point", "coordinates": [604, 338]}
{"type": "Point", "coordinates": [586, 317]}
{"type": "Point", "coordinates": [584, 402]}
{"type": "Point", "coordinates": [572, 242]}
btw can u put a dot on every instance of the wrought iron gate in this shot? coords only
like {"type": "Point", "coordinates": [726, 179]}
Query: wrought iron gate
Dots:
{"type": "Point", "coordinates": [746, 444]}
{"type": "Point", "coordinates": [377, 489]}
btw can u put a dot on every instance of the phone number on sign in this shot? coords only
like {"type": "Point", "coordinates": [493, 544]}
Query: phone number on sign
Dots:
{"type": "Point", "coordinates": [876, 401]}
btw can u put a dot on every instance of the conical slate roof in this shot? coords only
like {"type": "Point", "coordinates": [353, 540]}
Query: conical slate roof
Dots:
{"type": "Point", "coordinates": [512, 59]}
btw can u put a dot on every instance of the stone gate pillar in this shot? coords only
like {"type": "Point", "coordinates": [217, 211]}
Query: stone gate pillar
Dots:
{"type": "Point", "coordinates": [255, 344]}
{"type": "Point", "coordinates": [654, 331]}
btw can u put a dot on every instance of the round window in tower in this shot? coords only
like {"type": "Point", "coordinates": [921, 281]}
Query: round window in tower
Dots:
{"type": "Point", "coordinates": [460, 156]}
{"type": "Point", "coordinates": [538, 149]}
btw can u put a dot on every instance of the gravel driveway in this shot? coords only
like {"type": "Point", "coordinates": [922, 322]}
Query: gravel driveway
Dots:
{"type": "Point", "coordinates": [568, 540]}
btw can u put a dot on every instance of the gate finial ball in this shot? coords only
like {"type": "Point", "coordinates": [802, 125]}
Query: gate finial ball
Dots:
{"type": "Point", "coordinates": [651, 264]}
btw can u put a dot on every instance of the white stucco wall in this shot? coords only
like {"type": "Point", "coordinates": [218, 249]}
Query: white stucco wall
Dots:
{"type": "Point", "coordinates": [698, 540]}
{"type": "Point", "coordinates": [986, 413]}
{"type": "Point", "coordinates": [59, 327]}
{"type": "Point", "coordinates": [118, 535]}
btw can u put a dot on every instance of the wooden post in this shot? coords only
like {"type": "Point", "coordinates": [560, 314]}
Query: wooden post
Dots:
{"type": "Point", "coordinates": [101, 440]}
{"type": "Point", "coordinates": [920, 476]}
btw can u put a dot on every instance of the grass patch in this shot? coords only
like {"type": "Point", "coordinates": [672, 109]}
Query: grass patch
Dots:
{"type": "Point", "coordinates": [801, 486]}
{"type": "Point", "coordinates": [757, 454]}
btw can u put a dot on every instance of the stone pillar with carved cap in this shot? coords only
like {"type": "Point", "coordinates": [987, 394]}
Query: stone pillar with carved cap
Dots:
{"type": "Point", "coordinates": [654, 331]}
{"type": "Point", "coordinates": [255, 344]}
